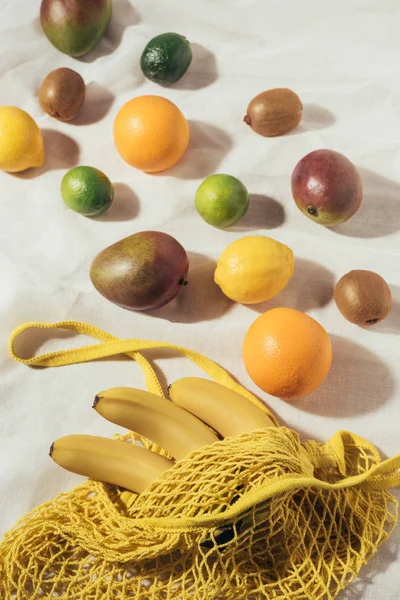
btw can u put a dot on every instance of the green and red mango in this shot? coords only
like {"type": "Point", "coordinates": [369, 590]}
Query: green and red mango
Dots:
{"type": "Point", "coordinates": [75, 26]}
{"type": "Point", "coordinates": [327, 187]}
{"type": "Point", "coordinates": [141, 272]}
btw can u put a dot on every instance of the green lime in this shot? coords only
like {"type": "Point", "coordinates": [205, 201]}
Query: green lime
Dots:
{"type": "Point", "coordinates": [222, 200]}
{"type": "Point", "coordinates": [87, 191]}
{"type": "Point", "coordinates": [166, 58]}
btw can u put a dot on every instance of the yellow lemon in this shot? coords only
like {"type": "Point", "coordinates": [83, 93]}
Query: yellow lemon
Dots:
{"type": "Point", "coordinates": [254, 269]}
{"type": "Point", "coordinates": [21, 142]}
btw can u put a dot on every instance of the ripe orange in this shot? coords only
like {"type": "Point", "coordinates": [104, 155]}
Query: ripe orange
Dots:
{"type": "Point", "coordinates": [151, 133]}
{"type": "Point", "coordinates": [287, 353]}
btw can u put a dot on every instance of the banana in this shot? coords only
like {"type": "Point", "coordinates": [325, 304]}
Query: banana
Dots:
{"type": "Point", "coordinates": [226, 411]}
{"type": "Point", "coordinates": [113, 461]}
{"type": "Point", "coordinates": [160, 420]}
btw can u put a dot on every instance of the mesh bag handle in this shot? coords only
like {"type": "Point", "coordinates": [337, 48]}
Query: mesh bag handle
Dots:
{"type": "Point", "coordinates": [381, 476]}
{"type": "Point", "coordinates": [113, 346]}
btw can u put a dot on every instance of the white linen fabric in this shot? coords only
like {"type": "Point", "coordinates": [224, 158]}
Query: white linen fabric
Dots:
{"type": "Point", "coordinates": [342, 58]}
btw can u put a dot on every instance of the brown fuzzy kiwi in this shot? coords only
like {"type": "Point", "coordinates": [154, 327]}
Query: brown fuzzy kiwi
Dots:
{"type": "Point", "coordinates": [62, 94]}
{"type": "Point", "coordinates": [363, 297]}
{"type": "Point", "coordinates": [274, 112]}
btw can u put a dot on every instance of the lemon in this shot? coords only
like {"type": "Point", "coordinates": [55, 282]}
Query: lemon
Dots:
{"type": "Point", "coordinates": [21, 142]}
{"type": "Point", "coordinates": [254, 269]}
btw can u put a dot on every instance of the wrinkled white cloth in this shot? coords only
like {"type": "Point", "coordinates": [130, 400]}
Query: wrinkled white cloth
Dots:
{"type": "Point", "coordinates": [342, 58]}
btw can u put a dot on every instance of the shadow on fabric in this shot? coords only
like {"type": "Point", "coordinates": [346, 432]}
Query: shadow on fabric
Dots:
{"type": "Point", "coordinates": [200, 300]}
{"type": "Point", "coordinates": [98, 103]}
{"type": "Point", "coordinates": [358, 383]}
{"type": "Point", "coordinates": [202, 71]}
{"type": "Point", "coordinates": [125, 206]}
{"type": "Point", "coordinates": [263, 213]}
{"type": "Point", "coordinates": [311, 286]}
{"type": "Point", "coordinates": [124, 16]}
{"type": "Point", "coordinates": [392, 322]}
{"type": "Point", "coordinates": [208, 146]}
{"type": "Point", "coordinates": [379, 213]}
{"type": "Point", "coordinates": [61, 152]}
{"type": "Point", "coordinates": [314, 118]}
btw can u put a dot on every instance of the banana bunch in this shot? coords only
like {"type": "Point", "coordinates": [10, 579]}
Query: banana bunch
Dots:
{"type": "Point", "coordinates": [201, 413]}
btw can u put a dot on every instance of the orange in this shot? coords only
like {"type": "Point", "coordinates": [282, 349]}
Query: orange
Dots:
{"type": "Point", "coordinates": [151, 133]}
{"type": "Point", "coordinates": [287, 353]}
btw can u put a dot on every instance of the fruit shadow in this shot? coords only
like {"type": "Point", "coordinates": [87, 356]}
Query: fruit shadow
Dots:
{"type": "Point", "coordinates": [378, 564]}
{"type": "Point", "coordinates": [263, 213]}
{"type": "Point", "coordinates": [98, 103]}
{"type": "Point", "coordinates": [124, 15]}
{"type": "Point", "coordinates": [358, 383]}
{"type": "Point", "coordinates": [392, 322]}
{"type": "Point", "coordinates": [311, 286]}
{"type": "Point", "coordinates": [314, 117]}
{"type": "Point", "coordinates": [200, 300]}
{"type": "Point", "coordinates": [208, 146]}
{"type": "Point", "coordinates": [61, 152]}
{"type": "Point", "coordinates": [124, 207]}
{"type": "Point", "coordinates": [202, 71]}
{"type": "Point", "coordinates": [379, 213]}
{"type": "Point", "coordinates": [293, 423]}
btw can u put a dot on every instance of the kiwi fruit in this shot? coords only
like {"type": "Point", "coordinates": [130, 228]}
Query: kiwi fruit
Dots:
{"type": "Point", "coordinates": [363, 297]}
{"type": "Point", "coordinates": [62, 94]}
{"type": "Point", "coordinates": [274, 112]}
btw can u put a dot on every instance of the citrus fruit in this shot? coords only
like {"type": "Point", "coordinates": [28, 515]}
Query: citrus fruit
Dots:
{"type": "Point", "coordinates": [222, 200]}
{"type": "Point", "coordinates": [151, 133]}
{"type": "Point", "coordinates": [166, 58]}
{"type": "Point", "coordinates": [87, 190]}
{"type": "Point", "coordinates": [287, 353]}
{"type": "Point", "coordinates": [254, 269]}
{"type": "Point", "coordinates": [21, 142]}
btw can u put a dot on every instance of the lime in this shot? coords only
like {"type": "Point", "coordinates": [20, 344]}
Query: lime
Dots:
{"type": "Point", "coordinates": [222, 200]}
{"type": "Point", "coordinates": [166, 58]}
{"type": "Point", "coordinates": [87, 191]}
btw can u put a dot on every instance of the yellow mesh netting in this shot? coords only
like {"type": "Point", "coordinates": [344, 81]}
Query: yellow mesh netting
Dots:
{"type": "Point", "coordinates": [257, 516]}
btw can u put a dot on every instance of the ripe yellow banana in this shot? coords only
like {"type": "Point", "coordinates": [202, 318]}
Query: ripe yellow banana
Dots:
{"type": "Point", "coordinates": [113, 461]}
{"type": "Point", "coordinates": [226, 411]}
{"type": "Point", "coordinates": [160, 420]}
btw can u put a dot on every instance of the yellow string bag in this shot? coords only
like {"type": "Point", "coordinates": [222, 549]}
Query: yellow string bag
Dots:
{"type": "Point", "coordinates": [257, 516]}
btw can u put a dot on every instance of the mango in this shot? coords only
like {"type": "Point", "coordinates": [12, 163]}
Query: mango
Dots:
{"type": "Point", "coordinates": [327, 187]}
{"type": "Point", "coordinates": [141, 272]}
{"type": "Point", "coordinates": [75, 26]}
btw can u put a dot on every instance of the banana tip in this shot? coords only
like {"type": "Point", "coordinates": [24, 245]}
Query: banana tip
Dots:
{"type": "Point", "coordinates": [96, 401]}
{"type": "Point", "coordinates": [51, 449]}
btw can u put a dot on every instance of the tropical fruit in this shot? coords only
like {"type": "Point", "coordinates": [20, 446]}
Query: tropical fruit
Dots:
{"type": "Point", "coordinates": [287, 353]}
{"type": "Point", "coordinates": [226, 411]}
{"type": "Point", "coordinates": [254, 269]}
{"type": "Point", "coordinates": [21, 142]}
{"type": "Point", "coordinates": [87, 190]}
{"type": "Point", "coordinates": [113, 461]}
{"type": "Point", "coordinates": [363, 297]}
{"type": "Point", "coordinates": [327, 187]}
{"type": "Point", "coordinates": [151, 133]}
{"type": "Point", "coordinates": [62, 94]}
{"type": "Point", "coordinates": [222, 200]}
{"type": "Point", "coordinates": [274, 112]}
{"type": "Point", "coordinates": [141, 272]}
{"type": "Point", "coordinates": [155, 418]}
{"type": "Point", "coordinates": [166, 58]}
{"type": "Point", "coordinates": [75, 26]}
